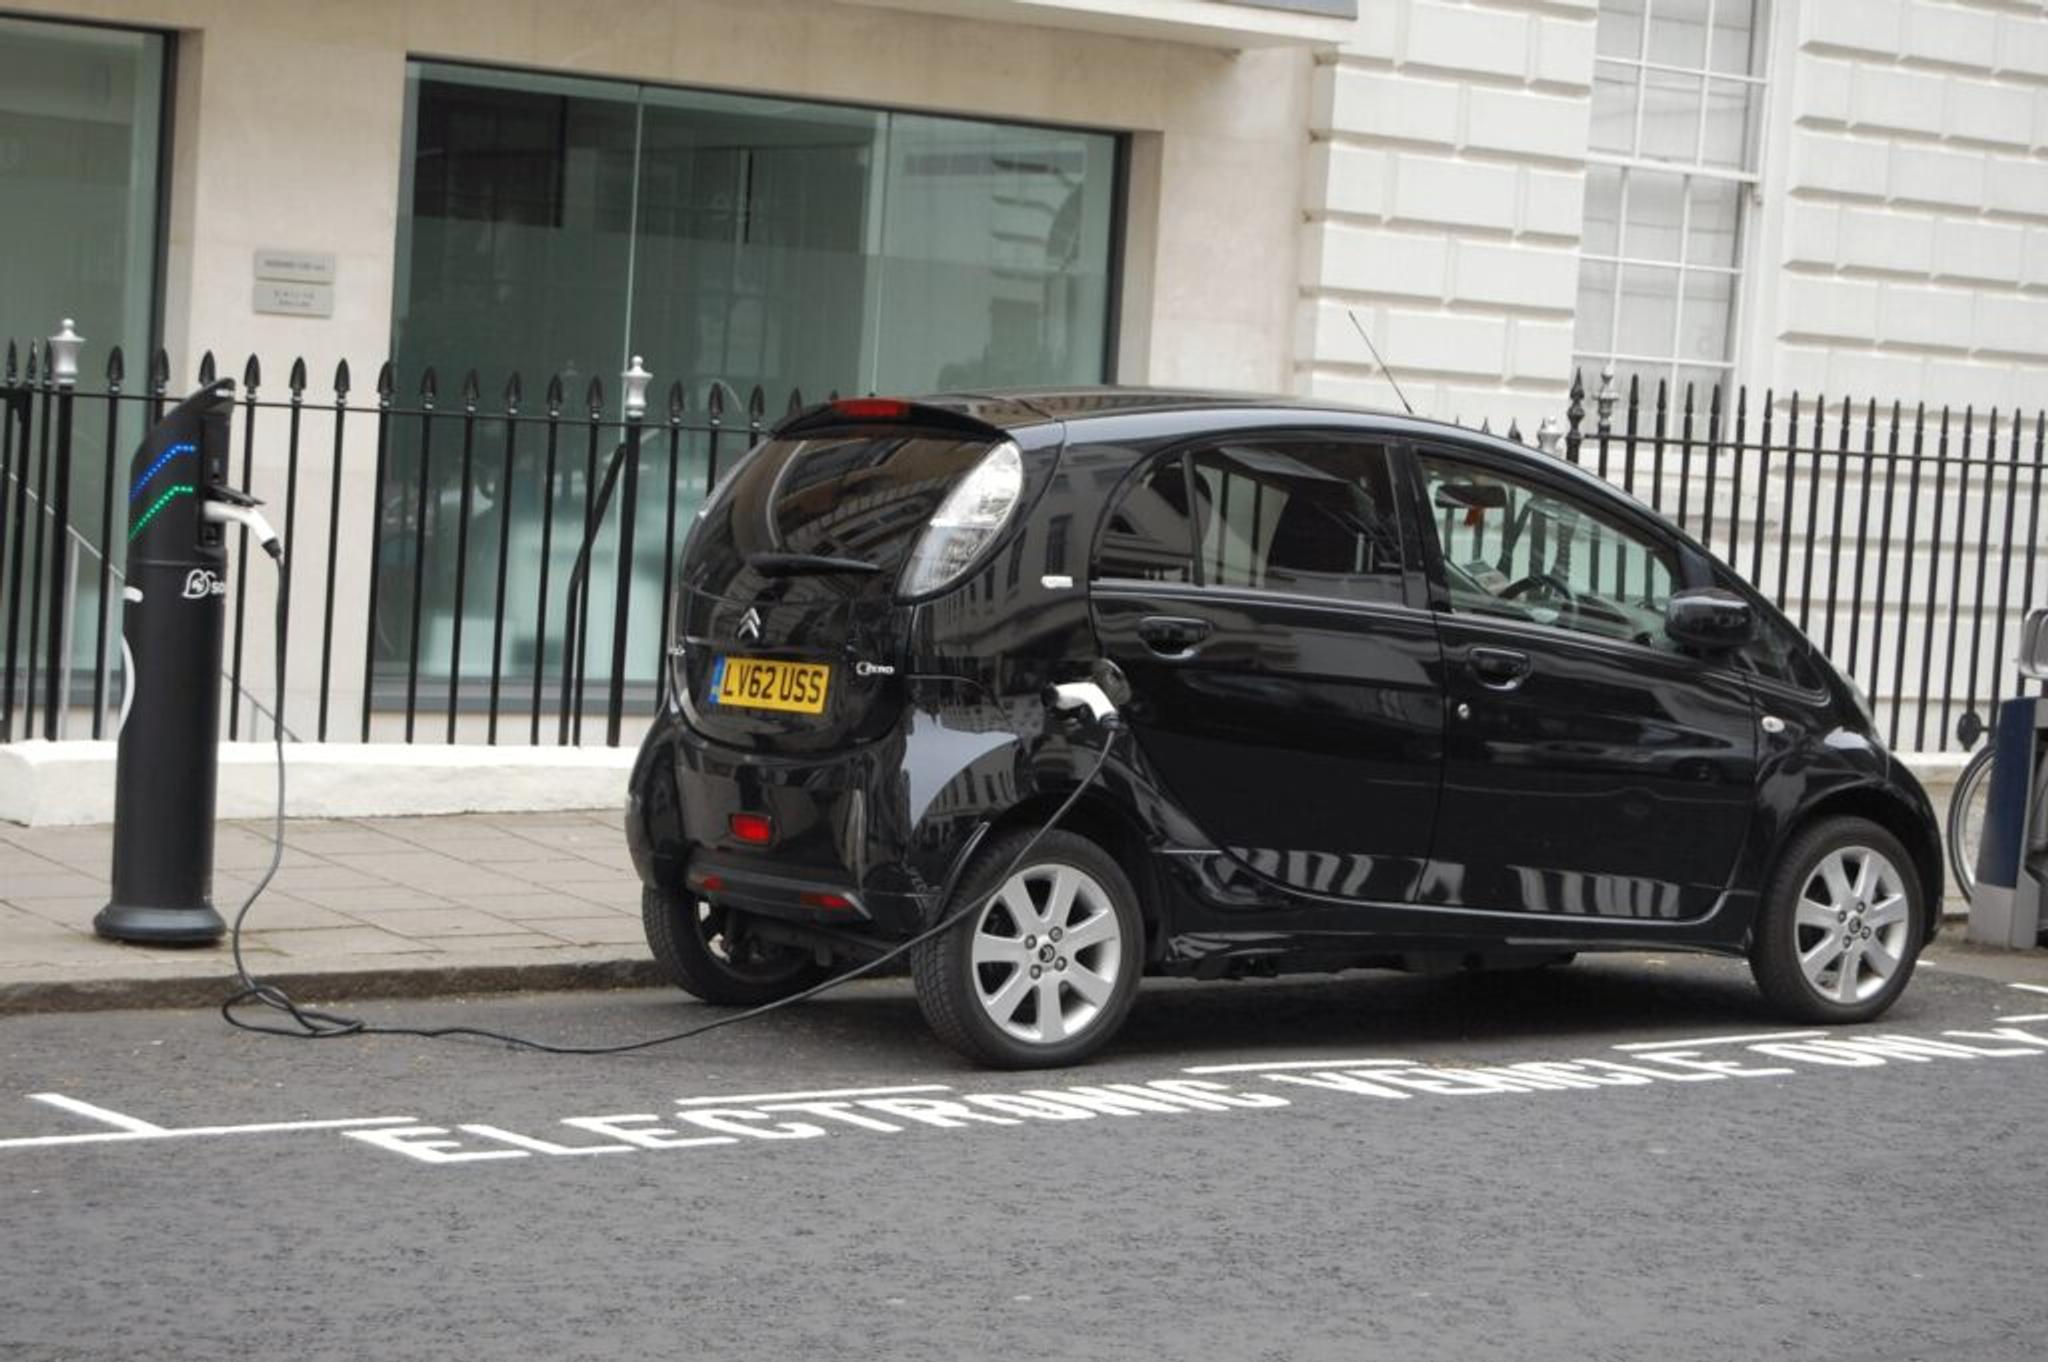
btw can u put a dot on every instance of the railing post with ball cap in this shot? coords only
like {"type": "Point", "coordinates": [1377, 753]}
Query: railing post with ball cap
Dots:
{"type": "Point", "coordinates": [63, 353]}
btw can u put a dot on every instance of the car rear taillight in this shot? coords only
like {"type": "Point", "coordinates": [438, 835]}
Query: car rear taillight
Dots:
{"type": "Point", "coordinates": [833, 902]}
{"type": "Point", "coordinates": [872, 408]}
{"type": "Point", "coordinates": [755, 829]}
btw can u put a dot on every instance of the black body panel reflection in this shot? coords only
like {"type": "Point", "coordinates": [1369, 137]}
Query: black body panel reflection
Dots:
{"type": "Point", "coordinates": [1303, 736]}
{"type": "Point", "coordinates": [1611, 780]}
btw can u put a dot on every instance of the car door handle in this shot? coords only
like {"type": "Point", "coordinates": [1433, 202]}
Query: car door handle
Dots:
{"type": "Point", "coordinates": [1172, 635]}
{"type": "Point", "coordinates": [1499, 668]}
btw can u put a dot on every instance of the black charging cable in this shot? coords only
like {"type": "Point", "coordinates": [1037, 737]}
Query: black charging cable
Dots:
{"type": "Point", "coordinates": [314, 1024]}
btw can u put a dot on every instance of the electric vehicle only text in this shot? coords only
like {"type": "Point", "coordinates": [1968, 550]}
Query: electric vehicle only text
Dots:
{"type": "Point", "coordinates": [1369, 691]}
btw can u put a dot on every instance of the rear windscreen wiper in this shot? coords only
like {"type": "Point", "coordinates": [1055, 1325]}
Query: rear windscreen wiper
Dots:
{"type": "Point", "coordinates": [806, 564]}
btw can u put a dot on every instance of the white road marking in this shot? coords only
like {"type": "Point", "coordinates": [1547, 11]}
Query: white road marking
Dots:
{"type": "Point", "coordinates": [2027, 1017]}
{"type": "Point", "coordinates": [132, 1124]}
{"type": "Point", "coordinates": [821, 1093]}
{"type": "Point", "coordinates": [2031, 988]}
{"type": "Point", "coordinates": [1719, 1040]}
{"type": "Point", "coordinates": [1277, 1065]}
{"type": "Point", "coordinates": [132, 1128]}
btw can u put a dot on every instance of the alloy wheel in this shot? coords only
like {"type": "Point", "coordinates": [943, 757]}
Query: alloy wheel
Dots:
{"type": "Point", "coordinates": [1046, 954]}
{"type": "Point", "coordinates": [1851, 924]}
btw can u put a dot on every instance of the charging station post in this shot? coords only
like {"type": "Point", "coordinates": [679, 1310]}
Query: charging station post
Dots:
{"type": "Point", "coordinates": [172, 623]}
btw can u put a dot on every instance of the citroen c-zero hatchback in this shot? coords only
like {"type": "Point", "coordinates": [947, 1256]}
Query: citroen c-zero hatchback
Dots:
{"type": "Point", "coordinates": [1388, 693]}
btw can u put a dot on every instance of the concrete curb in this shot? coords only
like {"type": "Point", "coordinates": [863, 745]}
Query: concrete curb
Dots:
{"type": "Point", "coordinates": [318, 986]}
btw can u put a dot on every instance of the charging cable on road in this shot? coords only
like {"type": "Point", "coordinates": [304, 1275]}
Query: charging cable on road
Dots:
{"type": "Point", "coordinates": [307, 1023]}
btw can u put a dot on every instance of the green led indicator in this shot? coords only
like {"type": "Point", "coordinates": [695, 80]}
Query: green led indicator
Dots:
{"type": "Point", "coordinates": [181, 489]}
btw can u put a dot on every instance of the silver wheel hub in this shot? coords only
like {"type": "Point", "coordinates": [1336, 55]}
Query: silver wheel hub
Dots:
{"type": "Point", "coordinates": [1851, 924]}
{"type": "Point", "coordinates": [1047, 950]}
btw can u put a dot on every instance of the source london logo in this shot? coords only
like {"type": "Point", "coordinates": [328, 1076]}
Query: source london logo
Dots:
{"type": "Point", "coordinates": [201, 583]}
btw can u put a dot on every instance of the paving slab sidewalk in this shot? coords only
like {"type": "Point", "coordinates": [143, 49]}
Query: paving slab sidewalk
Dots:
{"type": "Point", "coordinates": [359, 907]}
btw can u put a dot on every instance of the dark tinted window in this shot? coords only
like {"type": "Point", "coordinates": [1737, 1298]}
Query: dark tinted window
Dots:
{"type": "Point", "coordinates": [865, 496]}
{"type": "Point", "coordinates": [1310, 516]}
{"type": "Point", "coordinates": [1148, 537]}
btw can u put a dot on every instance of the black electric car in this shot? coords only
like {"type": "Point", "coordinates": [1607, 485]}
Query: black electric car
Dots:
{"type": "Point", "coordinates": [1389, 693]}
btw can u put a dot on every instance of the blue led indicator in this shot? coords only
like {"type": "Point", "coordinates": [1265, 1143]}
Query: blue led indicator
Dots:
{"type": "Point", "coordinates": [173, 452]}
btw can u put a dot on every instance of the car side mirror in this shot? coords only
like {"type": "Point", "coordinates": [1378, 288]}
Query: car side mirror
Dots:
{"type": "Point", "coordinates": [1710, 618]}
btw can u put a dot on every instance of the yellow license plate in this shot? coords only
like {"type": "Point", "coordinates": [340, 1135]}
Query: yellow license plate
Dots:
{"type": "Point", "coordinates": [763, 683]}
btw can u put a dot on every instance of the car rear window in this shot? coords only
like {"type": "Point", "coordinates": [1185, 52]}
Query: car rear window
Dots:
{"type": "Point", "coordinates": [865, 496]}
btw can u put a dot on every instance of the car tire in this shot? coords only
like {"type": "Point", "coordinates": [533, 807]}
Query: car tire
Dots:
{"type": "Point", "coordinates": [1844, 898]}
{"type": "Point", "coordinates": [688, 939]}
{"type": "Point", "coordinates": [989, 986]}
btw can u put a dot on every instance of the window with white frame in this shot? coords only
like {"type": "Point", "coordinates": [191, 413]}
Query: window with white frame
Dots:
{"type": "Point", "coordinates": [1676, 103]}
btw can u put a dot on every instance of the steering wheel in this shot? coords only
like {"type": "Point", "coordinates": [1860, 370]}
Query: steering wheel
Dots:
{"type": "Point", "coordinates": [1551, 585]}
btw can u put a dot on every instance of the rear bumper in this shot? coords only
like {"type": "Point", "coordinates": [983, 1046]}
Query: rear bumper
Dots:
{"type": "Point", "coordinates": [859, 826]}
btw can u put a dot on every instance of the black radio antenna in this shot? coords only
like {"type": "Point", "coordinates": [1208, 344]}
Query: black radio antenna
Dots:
{"type": "Point", "coordinates": [1377, 360]}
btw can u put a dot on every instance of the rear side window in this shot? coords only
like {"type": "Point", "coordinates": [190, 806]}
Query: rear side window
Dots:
{"type": "Point", "coordinates": [1149, 535]}
{"type": "Point", "coordinates": [1314, 517]}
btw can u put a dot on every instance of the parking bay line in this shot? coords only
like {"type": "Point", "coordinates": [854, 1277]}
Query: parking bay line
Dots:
{"type": "Point", "coordinates": [1300, 1064]}
{"type": "Point", "coordinates": [131, 1128]}
{"type": "Point", "coordinates": [814, 1096]}
{"type": "Point", "coordinates": [2031, 988]}
{"type": "Point", "coordinates": [1719, 1040]}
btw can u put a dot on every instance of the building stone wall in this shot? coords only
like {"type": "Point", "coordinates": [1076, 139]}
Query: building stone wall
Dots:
{"type": "Point", "coordinates": [1444, 195]}
{"type": "Point", "coordinates": [1910, 160]}
{"type": "Point", "coordinates": [1897, 241]}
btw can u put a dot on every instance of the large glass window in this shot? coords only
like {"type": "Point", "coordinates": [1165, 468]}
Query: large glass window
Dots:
{"type": "Point", "coordinates": [552, 225]}
{"type": "Point", "coordinates": [1673, 159]}
{"type": "Point", "coordinates": [81, 127]}
{"type": "Point", "coordinates": [81, 118]}
{"type": "Point", "coordinates": [556, 225]}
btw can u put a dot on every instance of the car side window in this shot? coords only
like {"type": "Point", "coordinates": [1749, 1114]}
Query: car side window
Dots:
{"type": "Point", "coordinates": [1149, 536]}
{"type": "Point", "coordinates": [1302, 515]}
{"type": "Point", "coordinates": [1518, 550]}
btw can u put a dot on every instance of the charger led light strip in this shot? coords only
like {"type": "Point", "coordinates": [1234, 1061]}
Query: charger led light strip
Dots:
{"type": "Point", "coordinates": [181, 489]}
{"type": "Point", "coordinates": [173, 452]}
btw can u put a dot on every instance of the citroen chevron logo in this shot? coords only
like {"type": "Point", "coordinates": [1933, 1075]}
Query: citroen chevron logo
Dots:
{"type": "Point", "coordinates": [750, 625]}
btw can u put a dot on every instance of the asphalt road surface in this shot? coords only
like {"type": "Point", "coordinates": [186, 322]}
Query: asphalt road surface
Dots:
{"type": "Point", "coordinates": [1620, 1159]}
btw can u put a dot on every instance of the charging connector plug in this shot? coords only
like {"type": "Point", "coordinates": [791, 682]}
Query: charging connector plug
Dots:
{"type": "Point", "coordinates": [241, 510]}
{"type": "Point", "coordinates": [1076, 695]}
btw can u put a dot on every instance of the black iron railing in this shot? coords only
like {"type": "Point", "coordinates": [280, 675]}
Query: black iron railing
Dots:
{"type": "Point", "coordinates": [459, 492]}
{"type": "Point", "coordinates": [435, 541]}
{"type": "Point", "coordinates": [1903, 541]}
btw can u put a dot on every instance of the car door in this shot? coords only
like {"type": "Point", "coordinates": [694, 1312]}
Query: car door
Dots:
{"type": "Point", "coordinates": [1257, 593]}
{"type": "Point", "coordinates": [1591, 766]}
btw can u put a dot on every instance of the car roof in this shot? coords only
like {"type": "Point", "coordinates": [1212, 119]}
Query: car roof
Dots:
{"type": "Point", "coordinates": [1009, 408]}
{"type": "Point", "coordinates": [1078, 407]}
